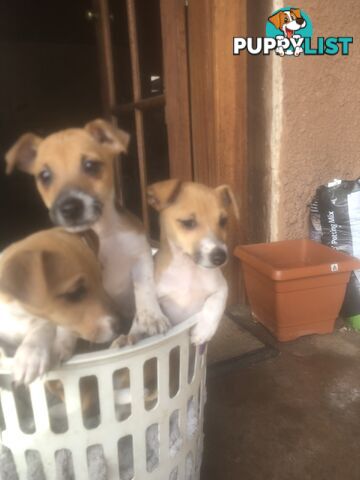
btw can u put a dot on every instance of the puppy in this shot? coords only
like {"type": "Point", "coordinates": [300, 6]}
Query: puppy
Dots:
{"type": "Point", "coordinates": [289, 22]}
{"type": "Point", "coordinates": [51, 293]}
{"type": "Point", "coordinates": [189, 281]}
{"type": "Point", "coordinates": [75, 178]}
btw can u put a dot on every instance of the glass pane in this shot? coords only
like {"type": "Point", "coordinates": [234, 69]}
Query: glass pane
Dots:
{"type": "Point", "coordinates": [49, 81]}
{"type": "Point", "coordinates": [130, 168]}
{"type": "Point", "coordinates": [121, 51]}
{"type": "Point", "coordinates": [155, 132]}
{"type": "Point", "coordinates": [157, 156]}
{"type": "Point", "coordinates": [58, 21]}
{"type": "Point", "coordinates": [150, 46]}
{"type": "Point", "coordinates": [156, 145]}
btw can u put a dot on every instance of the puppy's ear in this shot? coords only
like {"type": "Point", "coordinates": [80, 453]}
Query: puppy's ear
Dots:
{"type": "Point", "coordinates": [296, 12]}
{"type": "Point", "coordinates": [23, 153]}
{"type": "Point", "coordinates": [56, 275]}
{"type": "Point", "coordinates": [227, 199]}
{"type": "Point", "coordinates": [24, 276]}
{"type": "Point", "coordinates": [162, 194]}
{"type": "Point", "coordinates": [112, 138]}
{"type": "Point", "coordinates": [31, 276]}
{"type": "Point", "coordinates": [276, 20]}
{"type": "Point", "coordinates": [91, 239]}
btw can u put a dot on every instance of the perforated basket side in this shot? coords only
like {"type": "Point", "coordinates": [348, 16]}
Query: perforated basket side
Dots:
{"type": "Point", "coordinates": [163, 437]}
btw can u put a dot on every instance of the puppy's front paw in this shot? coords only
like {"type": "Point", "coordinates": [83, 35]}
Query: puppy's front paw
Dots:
{"type": "Point", "coordinates": [202, 333]}
{"type": "Point", "coordinates": [150, 323]}
{"type": "Point", "coordinates": [30, 362]}
{"type": "Point", "coordinates": [64, 350]}
{"type": "Point", "coordinates": [64, 353]}
{"type": "Point", "coordinates": [124, 341]}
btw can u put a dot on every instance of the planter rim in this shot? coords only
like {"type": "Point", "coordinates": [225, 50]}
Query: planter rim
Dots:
{"type": "Point", "coordinates": [337, 262]}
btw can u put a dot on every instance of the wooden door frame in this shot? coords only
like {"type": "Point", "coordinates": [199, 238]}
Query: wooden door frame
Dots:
{"type": "Point", "coordinates": [177, 91]}
{"type": "Point", "coordinates": [176, 87]}
{"type": "Point", "coordinates": [218, 83]}
{"type": "Point", "coordinates": [101, 17]}
{"type": "Point", "coordinates": [204, 96]}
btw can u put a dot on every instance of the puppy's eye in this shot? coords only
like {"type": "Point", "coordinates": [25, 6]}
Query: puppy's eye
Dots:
{"type": "Point", "coordinates": [223, 221]}
{"type": "Point", "coordinates": [75, 295]}
{"type": "Point", "coordinates": [188, 224]}
{"type": "Point", "coordinates": [45, 176]}
{"type": "Point", "coordinates": [286, 20]}
{"type": "Point", "coordinates": [92, 167]}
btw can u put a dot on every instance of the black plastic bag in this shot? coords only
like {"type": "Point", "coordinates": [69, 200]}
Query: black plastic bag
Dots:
{"type": "Point", "coordinates": [335, 216]}
{"type": "Point", "coordinates": [335, 221]}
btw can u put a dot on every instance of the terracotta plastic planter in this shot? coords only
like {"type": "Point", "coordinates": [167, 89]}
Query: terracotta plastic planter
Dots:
{"type": "Point", "coordinates": [295, 287]}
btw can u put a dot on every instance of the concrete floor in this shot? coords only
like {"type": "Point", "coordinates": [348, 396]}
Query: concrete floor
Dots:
{"type": "Point", "coordinates": [292, 417]}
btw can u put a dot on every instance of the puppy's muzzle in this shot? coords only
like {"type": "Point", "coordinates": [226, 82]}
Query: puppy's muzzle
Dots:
{"type": "Point", "coordinates": [218, 256]}
{"type": "Point", "coordinates": [75, 209]}
{"type": "Point", "coordinates": [211, 257]}
{"type": "Point", "coordinates": [72, 209]}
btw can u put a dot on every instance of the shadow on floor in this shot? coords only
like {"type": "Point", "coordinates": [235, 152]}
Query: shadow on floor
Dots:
{"type": "Point", "coordinates": [292, 417]}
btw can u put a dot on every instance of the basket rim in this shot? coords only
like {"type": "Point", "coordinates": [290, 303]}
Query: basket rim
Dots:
{"type": "Point", "coordinates": [85, 359]}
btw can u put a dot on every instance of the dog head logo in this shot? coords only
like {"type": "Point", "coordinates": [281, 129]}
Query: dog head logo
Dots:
{"type": "Point", "coordinates": [289, 26]}
{"type": "Point", "coordinates": [288, 21]}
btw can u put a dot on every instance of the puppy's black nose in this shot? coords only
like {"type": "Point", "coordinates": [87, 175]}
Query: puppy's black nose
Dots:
{"type": "Point", "coordinates": [218, 256]}
{"type": "Point", "coordinates": [300, 21]}
{"type": "Point", "coordinates": [72, 209]}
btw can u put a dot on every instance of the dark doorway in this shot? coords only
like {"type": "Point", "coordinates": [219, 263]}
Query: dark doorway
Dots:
{"type": "Point", "coordinates": [55, 74]}
{"type": "Point", "coordinates": [49, 81]}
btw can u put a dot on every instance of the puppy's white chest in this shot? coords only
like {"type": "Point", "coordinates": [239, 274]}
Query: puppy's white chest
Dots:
{"type": "Point", "coordinates": [118, 254]}
{"type": "Point", "coordinates": [183, 288]}
{"type": "Point", "coordinates": [115, 265]}
{"type": "Point", "coordinates": [14, 323]}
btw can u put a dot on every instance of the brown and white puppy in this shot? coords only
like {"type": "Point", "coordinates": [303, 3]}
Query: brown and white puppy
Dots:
{"type": "Point", "coordinates": [189, 280]}
{"type": "Point", "coordinates": [51, 293]}
{"type": "Point", "coordinates": [74, 175]}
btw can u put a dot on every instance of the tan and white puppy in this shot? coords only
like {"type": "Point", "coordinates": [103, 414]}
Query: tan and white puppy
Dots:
{"type": "Point", "coordinates": [74, 175]}
{"type": "Point", "coordinates": [189, 280]}
{"type": "Point", "coordinates": [51, 293]}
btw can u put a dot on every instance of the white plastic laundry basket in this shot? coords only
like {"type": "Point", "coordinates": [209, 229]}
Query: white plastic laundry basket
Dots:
{"type": "Point", "coordinates": [99, 422]}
